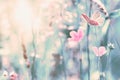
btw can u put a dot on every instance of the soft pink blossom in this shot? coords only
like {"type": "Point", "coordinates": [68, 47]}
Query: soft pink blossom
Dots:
{"type": "Point", "coordinates": [76, 36]}
{"type": "Point", "coordinates": [99, 51]}
{"type": "Point", "coordinates": [13, 76]}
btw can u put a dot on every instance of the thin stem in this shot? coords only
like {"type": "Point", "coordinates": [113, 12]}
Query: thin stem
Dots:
{"type": "Point", "coordinates": [97, 42]}
{"type": "Point", "coordinates": [98, 58]}
{"type": "Point", "coordinates": [88, 55]}
{"type": "Point", "coordinates": [88, 52]}
{"type": "Point", "coordinates": [107, 65]}
{"type": "Point", "coordinates": [81, 73]}
{"type": "Point", "coordinates": [99, 66]}
{"type": "Point", "coordinates": [62, 53]}
{"type": "Point", "coordinates": [34, 57]}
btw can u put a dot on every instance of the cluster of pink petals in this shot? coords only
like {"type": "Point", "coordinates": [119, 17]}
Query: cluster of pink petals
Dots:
{"type": "Point", "coordinates": [76, 36]}
{"type": "Point", "coordinates": [99, 51]}
{"type": "Point", "coordinates": [13, 76]}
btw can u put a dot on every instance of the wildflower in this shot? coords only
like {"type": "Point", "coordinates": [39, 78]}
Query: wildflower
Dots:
{"type": "Point", "coordinates": [96, 75]}
{"type": "Point", "coordinates": [76, 36]}
{"type": "Point", "coordinates": [5, 74]}
{"type": "Point", "coordinates": [95, 20]}
{"type": "Point", "coordinates": [111, 46]}
{"type": "Point", "coordinates": [13, 76]}
{"type": "Point", "coordinates": [99, 51]}
{"type": "Point", "coordinates": [28, 64]}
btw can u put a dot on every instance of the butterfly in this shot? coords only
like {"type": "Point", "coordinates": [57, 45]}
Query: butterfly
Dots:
{"type": "Point", "coordinates": [76, 36]}
{"type": "Point", "coordinates": [99, 51]}
{"type": "Point", "coordinates": [95, 20]}
{"type": "Point", "coordinates": [100, 6]}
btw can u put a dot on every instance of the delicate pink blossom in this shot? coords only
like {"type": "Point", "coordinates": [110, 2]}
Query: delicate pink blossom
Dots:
{"type": "Point", "coordinates": [28, 64]}
{"type": "Point", "coordinates": [76, 36]}
{"type": "Point", "coordinates": [99, 51]}
{"type": "Point", "coordinates": [13, 76]}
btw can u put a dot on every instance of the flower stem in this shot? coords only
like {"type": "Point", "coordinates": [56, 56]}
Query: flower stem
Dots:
{"type": "Point", "coordinates": [62, 54]}
{"type": "Point", "coordinates": [88, 55]}
{"type": "Point", "coordinates": [64, 68]}
{"type": "Point", "coordinates": [98, 58]}
{"type": "Point", "coordinates": [81, 73]}
{"type": "Point", "coordinates": [88, 52]}
{"type": "Point", "coordinates": [33, 70]}
{"type": "Point", "coordinates": [107, 66]}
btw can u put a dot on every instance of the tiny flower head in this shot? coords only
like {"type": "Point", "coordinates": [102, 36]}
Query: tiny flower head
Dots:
{"type": "Point", "coordinates": [99, 51]}
{"type": "Point", "coordinates": [76, 36]}
{"type": "Point", "coordinates": [28, 64]}
{"type": "Point", "coordinates": [5, 74]}
{"type": "Point", "coordinates": [111, 46]}
{"type": "Point", "coordinates": [13, 76]}
{"type": "Point", "coordinates": [95, 20]}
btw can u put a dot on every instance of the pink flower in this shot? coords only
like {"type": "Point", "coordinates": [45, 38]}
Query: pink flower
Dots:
{"type": "Point", "coordinates": [13, 76]}
{"type": "Point", "coordinates": [76, 36]}
{"type": "Point", "coordinates": [99, 51]}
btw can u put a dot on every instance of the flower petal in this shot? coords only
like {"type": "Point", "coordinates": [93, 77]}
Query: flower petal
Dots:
{"type": "Point", "coordinates": [70, 39]}
{"type": "Point", "coordinates": [86, 17]}
{"type": "Point", "coordinates": [73, 34]}
{"type": "Point", "coordinates": [95, 50]}
{"type": "Point", "coordinates": [102, 50]}
{"type": "Point", "coordinates": [95, 15]}
{"type": "Point", "coordinates": [80, 34]}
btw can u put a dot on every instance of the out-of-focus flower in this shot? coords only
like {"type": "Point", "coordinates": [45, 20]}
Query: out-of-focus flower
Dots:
{"type": "Point", "coordinates": [73, 77]}
{"type": "Point", "coordinates": [76, 36]}
{"type": "Point", "coordinates": [95, 20]}
{"type": "Point", "coordinates": [5, 73]}
{"type": "Point", "coordinates": [111, 46]}
{"type": "Point", "coordinates": [13, 76]}
{"type": "Point", "coordinates": [70, 64]}
{"type": "Point", "coordinates": [36, 55]}
{"type": "Point", "coordinates": [81, 7]}
{"type": "Point", "coordinates": [99, 51]}
{"type": "Point", "coordinates": [68, 16]}
{"type": "Point", "coordinates": [28, 64]}
{"type": "Point", "coordinates": [95, 75]}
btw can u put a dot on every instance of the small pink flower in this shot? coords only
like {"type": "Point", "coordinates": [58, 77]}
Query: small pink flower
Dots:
{"type": "Point", "coordinates": [28, 64]}
{"type": "Point", "coordinates": [13, 76]}
{"type": "Point", "coordinates": [99, 51]}
{"type": "Point", "coordinates": [76, 36]}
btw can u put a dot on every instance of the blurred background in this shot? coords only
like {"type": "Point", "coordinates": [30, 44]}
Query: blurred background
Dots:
{"type": "Point", "coordinates": [34, 45]}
